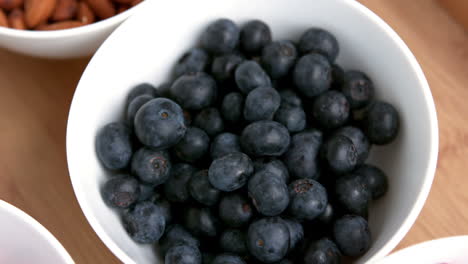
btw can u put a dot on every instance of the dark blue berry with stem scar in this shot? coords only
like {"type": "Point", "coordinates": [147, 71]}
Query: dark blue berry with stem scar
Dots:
{"type": "Point", "coordinates": [134, 106]}
{"type": "Point", "coordinates": [249, 75]}
{"type": "Point", "coordinates": [381, 123]}
{"type": "Point", "coordinates": [165, 208]}
{"type": "Point", "coordinates": [193, 146]}
{"type": "Point", "coordinates": [223, 67]}
{"type": "Point", "coordinates": [142, 89]}
{"type": "Point", "coordinates": [227, 258]}
{"type": "Point", "coordinates": [176, 187]}
{"type": "Point", "coordinates": [210, 120]}
{"type": "Point", "coordinates": [146, 192]}
{"type": "Point", "coordinates": [223, 144]}
{"type": "Point", "coordinates": [255, 35]}
{"type": "Point", "coordinates": [359, 140]}
{"type": "Point", "coordinates": [114, 146]}
{"type": "Point", "coordinates": [194, 60]}
{"type": "Point", "coordinates": [121, 191]}
{"type": "Point", "coordinates": [177, 235]}
{"type": "Point", "coordinates": [265, 138]}
{"type": "Point", "coordinates": [308, 199]}
{"type": "Point", "coordinates": [221, 37]}
{"type": "Point", "coordinates": [319, 41]}
{"type": "Point", "coordinates": [274, 166]}
{"type": "Point", "coordinates": [374, 178]}
{"type": "Point", "coordinates": [331, 109]}
{"type": "Point", "coordinates": [322, 251]}
{"type": "Point", "coordinates": [278, 58]}
{"type": "Point", "coordinates": [293, 118]}
{"type": "Point", "coordinates": [151, 166]}
{"type": "Point", "coordinates": [261, 104]}
{"type": "Point", "coordinates": [235, 210]}
{"type": "Point", "coordinates": [144, 223]}
{"type": "Point", "coordinates": [183, 254]}
{"type": "Point", "coordinates": [290, 98]}
{"type": "Point", "coordinates": [202, 222]}
{"type": "Point", "coordinates": [312, 75]}
{"type": "Point", "coordinates": [230, 172]}
{"type": "Point", "coordinates": [296, 232]}
{"type": "Point", "coordinates": [352, 235]}
{"type": "Point", "coordinates": [341, 154]}
{"type": "Point", "coordinates": [302, 154]}
{"type": "Point", "coordinates": [269, 193]}
{"type": "Point", "coordinates": [268, 239]}
{"type": "Point", "coordinates": [159, 123]}
{"type": "Point", "coordinates": [352, 192]}
{"type": "Point", "coordinates": [233, 241]}
{"type": "Point", "coordinates": [201, 189]}
{"type": "Point", "coordinates": [194, 91]}
{"type": "Point", "coordinates": [358, 89]}
{"type": "Point", "coordinates": [232, 107]}
{"type": "Point", "coordinates": [338, 76]}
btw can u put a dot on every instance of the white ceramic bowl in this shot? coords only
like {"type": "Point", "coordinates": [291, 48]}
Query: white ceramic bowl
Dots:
{"type": "Point", "coordinates": [23, 240]}
{"type": "Point", "coordinates": [146, 46]}
{"type": "Point", "coordinates": [62, 44]}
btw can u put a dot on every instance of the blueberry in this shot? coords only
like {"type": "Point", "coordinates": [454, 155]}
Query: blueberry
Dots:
{"type": "Point", "coordinates": [296, 232]}
{"type": "Point", "coordinates": [176, 187]}
{"type": "Point", "coordinates": [328, 215]}
{"type": "Point", "coordinates": [164, 90]}
{"type": "Point", "coordinates": [114, 146]}
{"type": "Point", "coordinates": [134, 106]}
{"type": "Point", "coordinates": [359, 140]}
{"type": "Point", "coordinates": [228, 259]}
{"type": "Point", "coordinates": [352, 192]}
{"type": "Point", "coordinates": [322, 251]}
{"type": "Point", "coordinates": [320, 41]}
{"type": "Point", "coordinates": [338, 76]}
{"type": "Point", "coordinates": [268, 239]}
{"type": "Point", "coordinates": [177, 235]}
{"type": "Point", "coordinates": [293, 118]}
{"type": "Point", "coordinates": [209, 119]}
{"type": "Point", "coordinates": [269, 193]}
{"type": "Point", "coordinates": [381, 123]}
{"type": "Point", "coordinates": [121, 192]}
{"type": "Point", "coordinates": [224, 67]}
{"type": "Point", "coordinates": [278, 58]}
{"type": "Point", "coordinates": [308, 199]}
{"type": "Point", "coordinates": [194, 91]}
{"type": "Point", "coordinates": [141, 89]}
{"type": "Point", "coordinates": [358, 89]}
{"type": "Point", "coordinates": [183, 254]}
{"type": "Point", "coordinates": [255, 35]}
{"type": "Point", "coordinates": [224, 144]}
{"type": "Point", "coordinates": [285, 261]}
{"type": "Point", "coordinates": [290, 98]}
{"type": "Point", "coordinates": [193, 146]}
{"type": "Point", "coordinates": [261, 104]}
{"type": "Point", "coordinates": [230, 172]}
{"type": "Point", "coordinates": [312, 74]}
{"type": "Point", "coordinates": [352, 235]}
{"type": "Point", "coordinates": [331, 109]}
{"type": "Point", "coordinates": [249, 75]}
{"type": "Point", "coordinates": [208, 257]}
{"type": "Point", "coordinates": [302, 154]}
{"type": "Point", "coordinates": [233, 241]}
{"type": "Point", "coordinates": [150, 166]}
{"type": "Point", "coordinates": [144, 223]}
{"type": "Point", "coordinates": [201, 222]}
{"type": "Point", "coordinates": [341, 154]}
{"type": "Point", "coordinates": [159, 123]}
{"type": "Point", "coordinates": [146, 192]}
{"type": "Point", "coordinates": [221, 37]}
{"type": "Point", "coordinates": [274, 166]}
{"type": "Point", "coordinates": [165, 208]}
{"type": "Point", "coordinates": [235, 210]}
{"type": "Point", "coordinates": [265, 138]}
{"type": "Point", "coordinates": [201, 189]}
{"type": "Point", "coordinates": [194, 60]}
{"type": "Point", "coordinates": [374, 178]}
{"type": "Point", "coordinates": [232, 107]}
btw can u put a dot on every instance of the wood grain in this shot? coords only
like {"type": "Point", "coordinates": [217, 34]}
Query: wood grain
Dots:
{"type": "Point", "coordinates": [35, 95]}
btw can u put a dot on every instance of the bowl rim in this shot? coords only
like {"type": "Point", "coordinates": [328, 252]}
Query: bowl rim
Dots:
{"type": "Point", "coordinates": [34, 224]}
{"type": "Point", "coordinates": [429, 172]}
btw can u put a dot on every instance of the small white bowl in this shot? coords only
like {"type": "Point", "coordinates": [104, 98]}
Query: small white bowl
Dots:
{"type": "Point", "coordinates": [62, 44]}
{"type": "Point", "coordinates": [146, 46]}
{"type": "Point", "coordinates": [23, 240]}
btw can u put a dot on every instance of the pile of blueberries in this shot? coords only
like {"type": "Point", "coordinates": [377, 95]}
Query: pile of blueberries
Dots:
{"type": "Point", "coordinates": [254, 153]}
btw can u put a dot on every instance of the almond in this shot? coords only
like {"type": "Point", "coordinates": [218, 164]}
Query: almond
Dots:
{"type": "Point", "coordinates": [38, 11]}
{"type": "Point", "coordinates": [65, 10]}
{"type": "Point", "coordinates": [124, 1]}
{"type": "Point", "coordinates": [85, 14]}
{"type": "Point", "coordinates": [136, 2]}
{"type": "Point", "coordinates": [10, 4]}
{"type": "Point", "coordinates": [16, 19]}
{"type": "Point", "coordinates": [123, 8]}
{"type": "Point", "coordinates": [3, 19]}
{"type": "Point", "coordinates": [102, 8]}
{"type": "Point", "coordinates": [61, 25]}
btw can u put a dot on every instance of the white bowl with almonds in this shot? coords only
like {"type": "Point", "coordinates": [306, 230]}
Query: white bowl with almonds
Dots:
{"type": "Point", "coordinates": [60, 28]}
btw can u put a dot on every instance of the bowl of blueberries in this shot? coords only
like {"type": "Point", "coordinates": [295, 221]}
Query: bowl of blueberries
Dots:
{"type": "Point", "coordinates": [252, 132]}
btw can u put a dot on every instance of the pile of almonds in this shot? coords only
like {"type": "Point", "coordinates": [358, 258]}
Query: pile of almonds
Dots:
{"type": "Point", "coordinates": [58, 14]}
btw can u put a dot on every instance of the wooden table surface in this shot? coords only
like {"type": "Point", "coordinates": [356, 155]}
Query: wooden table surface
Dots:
{"type": "Point", "coordinates": [35, 95]}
